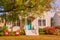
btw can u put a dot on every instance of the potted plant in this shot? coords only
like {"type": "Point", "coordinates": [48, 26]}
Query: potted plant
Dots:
{"type": "Point", "coordinates": [6, 33]}
{"type": "Point", "coordinates": [17, 33]}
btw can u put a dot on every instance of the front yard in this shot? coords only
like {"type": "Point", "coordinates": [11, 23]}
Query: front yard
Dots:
{"type": "Point", "coordinates": [41, 37]}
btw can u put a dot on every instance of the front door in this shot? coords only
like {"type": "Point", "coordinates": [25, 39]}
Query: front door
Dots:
{"type": "Point", "coordinates": [29, 26]}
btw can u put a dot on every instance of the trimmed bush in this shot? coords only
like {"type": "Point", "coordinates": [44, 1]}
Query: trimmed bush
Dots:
{"type": "Point", "coordinates": [1, 29]}
{"type": "Point", "coordinates": [5, 28]}
{"type": "Point", "coordinates": [57, 27]}
{"type": "Point", "coordinates": [1, 33]}
{"type": "Point", "coordinates": [17, 33]}
{"type": "Point", "coordinates": [6, 33]}
{"type": "Point", "coordinates": [12, 33]}
{"type": "Point", "coordinates": [50, 30]}
{"type": "Point", "coordinates": [41, 31]}
{"type": "Point", "coordinates": [22, 32]}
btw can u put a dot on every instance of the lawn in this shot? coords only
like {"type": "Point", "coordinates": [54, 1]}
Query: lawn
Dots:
{"type": "Point", "coordinates": [41, 37]}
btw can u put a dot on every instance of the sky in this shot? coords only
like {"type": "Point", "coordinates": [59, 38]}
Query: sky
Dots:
{"type": "Point", "coordinates": [57, 4]}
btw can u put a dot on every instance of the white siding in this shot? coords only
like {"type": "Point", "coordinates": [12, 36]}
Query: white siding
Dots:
{"type": "Point", "coordinates": [56, 20]}
{"type": "Point", "coordinates": [46, 16]}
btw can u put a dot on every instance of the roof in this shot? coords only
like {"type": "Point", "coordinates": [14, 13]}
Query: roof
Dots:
{"type": "Point", "coordinates": [57, 13]}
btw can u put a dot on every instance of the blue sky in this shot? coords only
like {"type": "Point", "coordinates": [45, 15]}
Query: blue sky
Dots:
{"type": "Point", "coordinates": [57, 4]}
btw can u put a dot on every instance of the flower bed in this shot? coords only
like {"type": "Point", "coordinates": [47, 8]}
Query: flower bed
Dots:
{"type": "Point", "coordinates": [50, 30]}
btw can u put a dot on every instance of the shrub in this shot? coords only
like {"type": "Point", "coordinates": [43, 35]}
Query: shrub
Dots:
{"type": "Point", "coordinates": [22, 32]}
{"type": "Point", "coordinates": [17, 33]}
{"type": "Point", "coordinates": [57, 27]}
{"type": "Point", "coordinates": [1, 29]}
{"type": "Point", "coordinates": [41, 31]}
{"type": "Point", "coordinates": [50, 30]}
{"type": "Point", "coordinates": [12, 33]}
{"type": "Point", "coordinates": [1, 33]}
{"type": "Point", "coordinates": [6, 33]}
{"type": "Point", "coordinates": [5, 27]}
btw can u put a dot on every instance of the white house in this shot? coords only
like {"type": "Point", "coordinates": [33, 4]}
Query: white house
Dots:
{"type": "Point", "coordinates": [39, 22]}
{"type": "Point", "coordinates": [56, 19]}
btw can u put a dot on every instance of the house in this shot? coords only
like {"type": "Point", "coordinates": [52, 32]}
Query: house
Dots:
{"type": "Point", "coordinates": [31, 26]}
{"type": "Point", "coordinates": [35, 24]}
{"type": "Point", "coordinates": [39, 22]}
{"type": "Point", "coordinates": [56, 19]}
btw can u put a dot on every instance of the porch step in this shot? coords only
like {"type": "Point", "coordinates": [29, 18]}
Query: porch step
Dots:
{"type": "Point", "coordinates": [31, 32]}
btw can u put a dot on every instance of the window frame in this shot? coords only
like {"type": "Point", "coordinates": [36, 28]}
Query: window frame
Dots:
{"type": "Point", "coordinates": [42, 23]}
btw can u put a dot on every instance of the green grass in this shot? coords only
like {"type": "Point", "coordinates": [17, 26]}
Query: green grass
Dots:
{"type": "Point", "coordinates": [41, 37]}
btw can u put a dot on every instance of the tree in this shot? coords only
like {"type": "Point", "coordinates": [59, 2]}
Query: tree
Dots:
{"type": "Point", "coordinates": [24, 8]}
{"type": "Point", "coordinates": [33, 6]}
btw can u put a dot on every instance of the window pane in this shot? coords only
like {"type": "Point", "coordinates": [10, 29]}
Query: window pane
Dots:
{"type": "Point", "coordinates": [39, 22]}
{"type": "Point", "coordinates": [44, 22]}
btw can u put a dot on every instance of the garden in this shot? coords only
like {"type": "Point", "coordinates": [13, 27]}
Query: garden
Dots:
{"type": "Point", "coordinates": [45, 31]}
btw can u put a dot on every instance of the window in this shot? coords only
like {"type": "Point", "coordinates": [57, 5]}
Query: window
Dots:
{"type": "Point", "coordinates": [42, 22]}
{"type": "Point", "coordinates": [39, 22]}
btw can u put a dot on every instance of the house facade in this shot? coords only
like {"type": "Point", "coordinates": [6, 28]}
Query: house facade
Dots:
{"type": "Point", "coordinates": [32, 28]}
{"type": "Point", "coordinates": [44, 21]}
{"type": "Point", "coordinates": [56, 19]}
{"type": "Point", "coordinates": [39, 22]}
